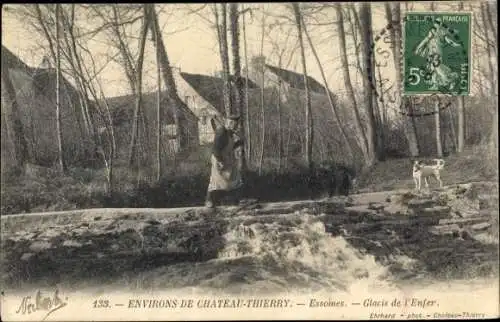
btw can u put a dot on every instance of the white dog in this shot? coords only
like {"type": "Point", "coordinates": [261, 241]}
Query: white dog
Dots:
{"type": "Point", "coordinates": [424, 171]}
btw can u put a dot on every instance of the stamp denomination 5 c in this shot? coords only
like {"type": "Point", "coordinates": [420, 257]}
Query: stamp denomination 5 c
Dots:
{"type": "Point", "coordinates": [437, 53]}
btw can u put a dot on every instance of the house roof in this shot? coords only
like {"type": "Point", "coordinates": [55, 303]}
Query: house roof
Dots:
{"type": "Point", "coordinates": [210, 88]}
{"type": "Point", "coordinates": [27, 78]}
{"type": "Point", "coordinates": [296, 80]}
{"type": "Point", "coordinates": [11, 60]}
{"type": "Point", "coordinates": [122, 107]}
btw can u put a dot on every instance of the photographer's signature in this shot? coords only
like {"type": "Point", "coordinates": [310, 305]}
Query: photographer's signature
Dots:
{"type": "Point", "coordinates": [41, 303]}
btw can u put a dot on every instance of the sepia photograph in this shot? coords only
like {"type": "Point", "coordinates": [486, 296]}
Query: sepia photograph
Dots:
{"type": "Point", "coordinates": [249, 161]}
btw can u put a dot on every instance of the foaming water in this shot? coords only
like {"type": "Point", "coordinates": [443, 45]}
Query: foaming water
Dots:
{"type": "Point", "coordinates": [289, 255]}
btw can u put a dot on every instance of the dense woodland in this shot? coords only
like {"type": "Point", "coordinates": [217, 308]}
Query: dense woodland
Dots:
{"type": "Point", "coordinates": [286, 139]}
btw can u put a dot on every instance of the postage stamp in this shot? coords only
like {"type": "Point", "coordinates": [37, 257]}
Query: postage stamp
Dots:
{"type": "Point", "coordinates": [139, 184]}
{"type": "Point", "coordinates": [437, 53]}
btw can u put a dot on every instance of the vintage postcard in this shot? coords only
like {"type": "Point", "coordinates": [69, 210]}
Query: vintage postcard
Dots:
{"type": "Point", "coordinates": [249, 161]}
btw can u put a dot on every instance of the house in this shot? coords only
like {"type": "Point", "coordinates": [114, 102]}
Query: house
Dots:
{"type": "Point", "coordinates": [179, 128]}
{"type": "Point", "coordinates": [291, 88]}
{"type": "Point", "coordinates": [203, 95]}
{"type": "Point", "coordinates": [295, 80]}
{"type": "Point", "coordinates": [35, 94]}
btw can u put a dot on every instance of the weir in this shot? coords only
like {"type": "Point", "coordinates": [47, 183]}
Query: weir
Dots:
{"type": "Point", "coordinates": [330, 243]}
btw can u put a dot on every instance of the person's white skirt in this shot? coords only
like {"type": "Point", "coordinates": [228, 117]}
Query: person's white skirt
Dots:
{"type": "Point", "coordinates": [228, 178]}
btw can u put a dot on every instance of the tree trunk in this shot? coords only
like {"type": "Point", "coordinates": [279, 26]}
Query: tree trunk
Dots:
{"type": "Point", "coordinates": [453, 133]}
{"type": "Point", "coordinates": [362, 140]}
{"type": "Point", "coordinates": [109, 160]}
{"type": "Point", "coordinates": [408, 121]}
{"type": "Point", "coordinates": [355, 25]}
{"type": "Point", "coordinates": [262, 69]}
{"type": "Point", "coordinates": [460, 114]}
{"type": "Point", "coordinates": [489, 28]}
{"type": "Point", "coordinates": [138, 85]}
{"type": "Point", "coordinates": [492, 26]}
{"type": "Point", "coordinates": [238, 84]}
{"type": "Point", "coordinates": [439, 147]}
{"type": "Point", "coordinates": [171, 89]}
{"type": "Point", "coordinates": [248, 140]}
{"type": "Point", "coordinates": [74, 60]}
{"type": "Point", "coordinates": [223, 48]}
{"type": "Point", "coordinates": [158, 111]}
{"type": "Point", "coordinates": [381, 114]}
{"type": "Point", "coordinates": [493, 146]}
{"type": "Point", "coordinates": [375, 147]}
{"type": "Point", "coordinates": [62, 166]}
{"type": "Point", "coordinates": [308, 114]}
{"type": "Point", "coordinates": [329, 94]}
{"type": "Point", "coordinates": [128, 64]}
{"type": "Point", "coordinates": [280, 136]}
{"type": "Point", "coordinates": [461, 124]}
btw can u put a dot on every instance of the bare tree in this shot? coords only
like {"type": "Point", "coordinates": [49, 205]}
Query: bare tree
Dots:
{"type": "Point", "coordinates": [437, 121]}
{"type": "Point", "coordinates": [374, 140]}
{"type": "Point", "coordinates": [409, 124]}
{"type": "Point", "coordinates": [362, 139]}
{"type": "Point", "coordinates": [62, 165]}
{"type": "Point", "coordinates": [221, 22]}
{"type": "Point", "coordinates": [239, 96]}
{"type": "Point", "coordinates": [133, 150]}
{"type": "Point", "coordinates": [329, 94]}
{"type": "Point", "coordinates": [281, 48]}
{"type": "Point", "coordinates": [106, 137]}
{"type": "Point", "coordinates": [308, 114]}
{"type": "Point", "coordinates": [248, 139]}
{"type": "Point", "coordinates": [170, 87]}
{"type": "Point", "coordinates": [437, 116]}
{"type": "Point", "coordinates": [489, 28]}
{"type": "Point", "coordinates": [158, 110]}
{"type": "Point", "coordinates": [261, 67]}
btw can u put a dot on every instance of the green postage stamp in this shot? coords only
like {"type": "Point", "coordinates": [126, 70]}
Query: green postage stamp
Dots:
{"type": "Point", "coordinates": [437, 53]}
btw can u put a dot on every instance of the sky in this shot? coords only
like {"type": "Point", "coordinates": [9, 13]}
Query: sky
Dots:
{"type": "Point", "coordinates": [191, 44]}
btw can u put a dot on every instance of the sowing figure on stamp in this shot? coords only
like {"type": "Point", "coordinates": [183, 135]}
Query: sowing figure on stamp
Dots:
{"type": "Point", "coordinates": [225, 173]}
{"type": "Point", "coordinates": [431, 47]}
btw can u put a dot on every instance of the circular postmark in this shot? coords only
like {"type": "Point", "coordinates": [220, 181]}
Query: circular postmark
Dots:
{"type": "Point", "coordinates": [425, 104]}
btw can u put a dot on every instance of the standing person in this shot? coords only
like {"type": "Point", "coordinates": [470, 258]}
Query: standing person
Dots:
{"type": "Point", "coordinates": [225, 174]}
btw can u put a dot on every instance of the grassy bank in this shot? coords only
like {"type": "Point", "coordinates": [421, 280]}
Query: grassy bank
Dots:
{"type": "Point", "coordinates": [43, 189]}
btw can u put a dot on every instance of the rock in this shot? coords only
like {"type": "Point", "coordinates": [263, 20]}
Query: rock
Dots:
{"type": "Point", "coordinates": [437, 210]}
{"type": "Point", "coordinates": [153, 222]}
{"type": "Point", "coordinates": [71, 243]}
{"type": "Point", "coordinates": [446, 229]}
{"type": "Point", "coordinates": [359, 210]}
{"type": "Point", "coordinates": [394, 209]}
{"type": "Point", "coordinates": [486, 238]}
{"type": "Point", "coordinates": [465, 235]}
{"type": "Point", "coordinates": [26, 256]}
{"type": "Point", "coordinates": [481, 226]}
{"type": "Point", "coordinates": [487, 201]}
{"type": "Point", "coordinates": [420, 203]}
{"type": "Point", "coordinates": [376, 206]}
{"type": "Point", "coordinates": [40, 245]}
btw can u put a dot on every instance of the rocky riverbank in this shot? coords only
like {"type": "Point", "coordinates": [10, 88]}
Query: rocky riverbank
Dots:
{"type": "Point", "coordinates": [444, 234]}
